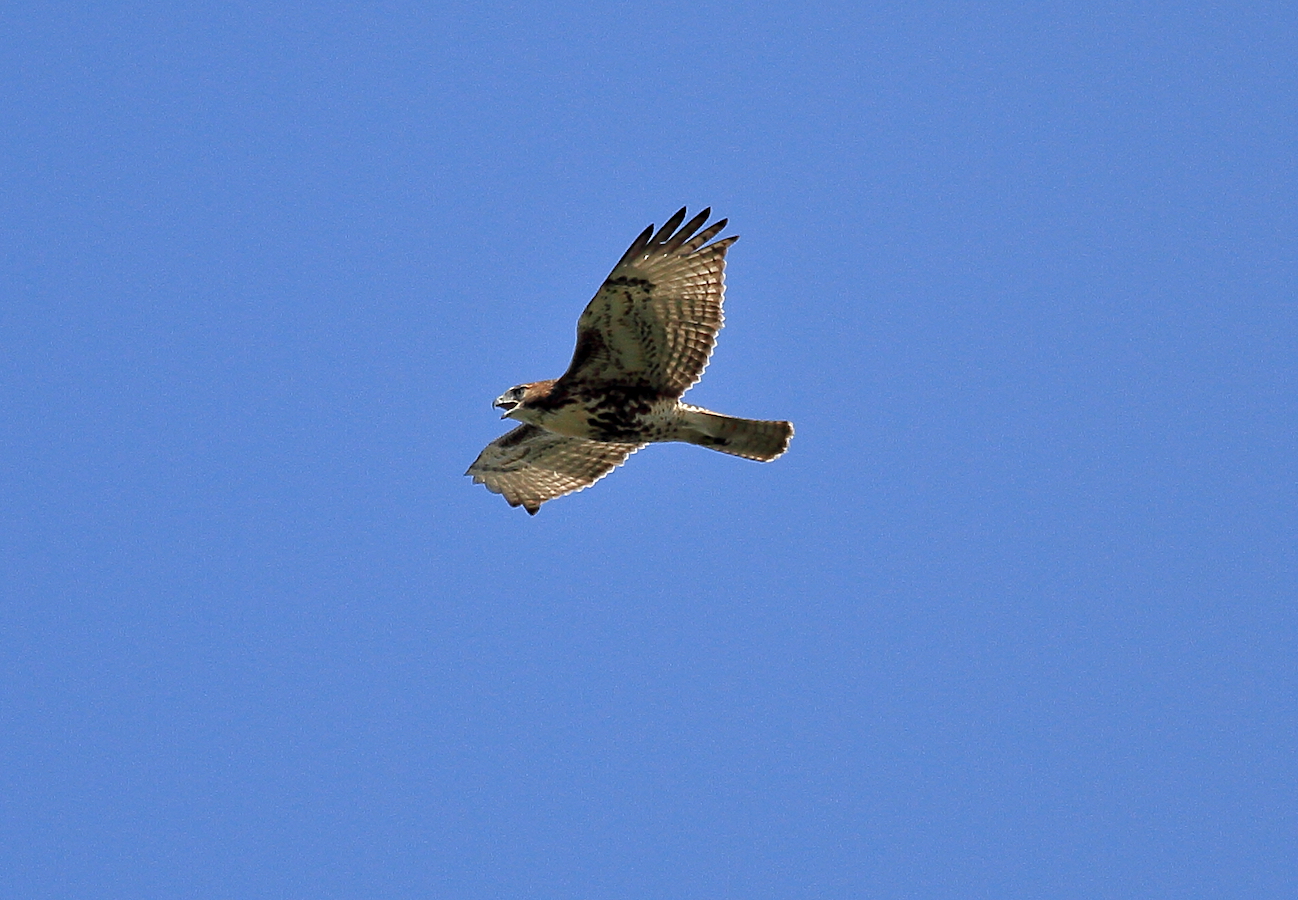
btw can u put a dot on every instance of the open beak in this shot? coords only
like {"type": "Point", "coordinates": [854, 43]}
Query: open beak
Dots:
{"type": "Point", "coordinates": [507, 405]}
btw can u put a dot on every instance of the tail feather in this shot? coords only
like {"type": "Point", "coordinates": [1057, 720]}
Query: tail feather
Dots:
{"type": "Point", "coordinates": [749, 438]}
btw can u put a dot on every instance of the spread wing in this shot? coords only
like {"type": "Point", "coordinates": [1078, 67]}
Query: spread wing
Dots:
{"type": "Point", "coordinates": [530, 465]}
{"type": "Point", "coordinates": [655, 320]}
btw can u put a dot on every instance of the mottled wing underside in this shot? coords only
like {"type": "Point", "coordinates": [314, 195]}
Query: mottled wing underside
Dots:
{"type": "Point", "coordinates": [530, 465]}
{"type": "Point", "coordinates": [655, 320]}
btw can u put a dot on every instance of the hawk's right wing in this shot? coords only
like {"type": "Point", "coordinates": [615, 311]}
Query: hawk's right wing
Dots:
{"type": "Point", "coordinates": [530, 465]}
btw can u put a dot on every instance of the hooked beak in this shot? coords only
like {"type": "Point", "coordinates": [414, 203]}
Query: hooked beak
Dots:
{"type": "Point", "coordinates": [506, 404]}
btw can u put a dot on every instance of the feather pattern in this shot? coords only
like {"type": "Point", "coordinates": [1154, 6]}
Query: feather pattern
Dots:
{"type": "Point", "coordinates": [654, 321]}
{"type": "Point", "coordinates": [530, 465]}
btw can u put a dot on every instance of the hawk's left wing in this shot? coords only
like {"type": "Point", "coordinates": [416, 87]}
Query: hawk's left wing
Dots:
{"type": "Point", "coordinates": [655, 319]}
{"type": "Point", "coordinates": [530, 465]}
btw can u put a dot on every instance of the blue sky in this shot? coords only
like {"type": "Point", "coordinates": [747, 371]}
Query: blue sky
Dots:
{"type": "Point", "coordinates": [1014, 617]}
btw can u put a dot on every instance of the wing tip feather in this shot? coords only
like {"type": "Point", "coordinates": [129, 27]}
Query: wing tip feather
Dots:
{"type": "Point", "coordinates": [674, 239]}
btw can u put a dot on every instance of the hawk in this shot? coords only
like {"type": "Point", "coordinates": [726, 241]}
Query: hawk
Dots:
{"type": "Point", "coordinates": [642, 342]}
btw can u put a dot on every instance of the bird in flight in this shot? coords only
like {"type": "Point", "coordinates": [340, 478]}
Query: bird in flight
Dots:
{"type": "Point", "coordinates": [642, 342]}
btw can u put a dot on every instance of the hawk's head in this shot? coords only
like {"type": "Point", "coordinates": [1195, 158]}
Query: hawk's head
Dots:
{"type": "Point", "coordinates": [514, 401]}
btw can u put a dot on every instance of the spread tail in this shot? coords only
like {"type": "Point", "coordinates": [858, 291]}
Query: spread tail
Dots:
{"type": "Point", "coordinates": [749, 438]}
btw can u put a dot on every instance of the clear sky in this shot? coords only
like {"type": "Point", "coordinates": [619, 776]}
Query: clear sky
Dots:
{"type": "Point", "coordinates": [1014, 618]}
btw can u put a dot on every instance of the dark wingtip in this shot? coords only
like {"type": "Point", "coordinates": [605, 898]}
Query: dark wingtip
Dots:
{"type": "Point", "coordinates": [637, 246]}
{"type": "Point", "coordinates": [532, 510]}
{"type": "Point", "coordinates": [669, 227]}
